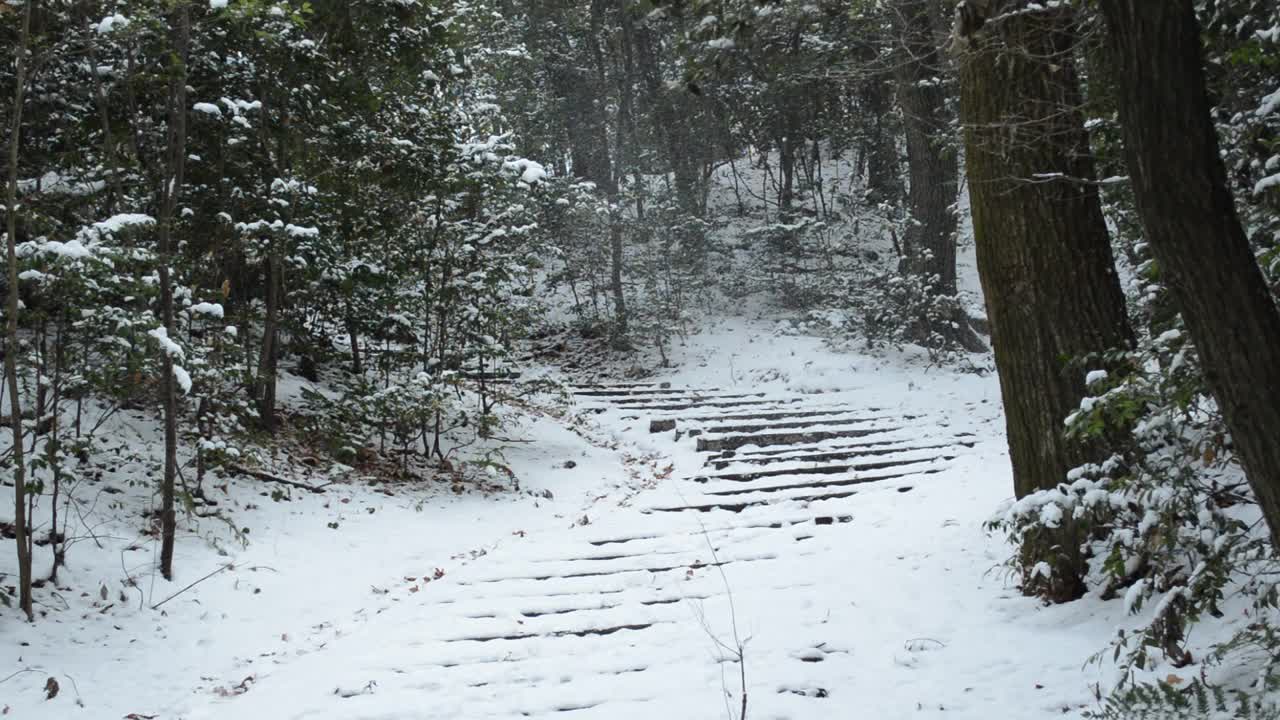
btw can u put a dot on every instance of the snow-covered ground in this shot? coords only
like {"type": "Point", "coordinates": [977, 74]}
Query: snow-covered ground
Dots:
{"type": "Point", "coordinates": [869, 592]}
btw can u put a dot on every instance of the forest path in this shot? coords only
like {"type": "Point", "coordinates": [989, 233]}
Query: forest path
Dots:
{"type": "Point", "coordinates": [733, 558]}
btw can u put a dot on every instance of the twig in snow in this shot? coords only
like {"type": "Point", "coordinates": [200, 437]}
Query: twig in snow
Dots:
{"type": "Point", "coordinates": [16, 673]}
{"type": "Point", "coordinates": [142, 597]}
{"type": "Point", "coordinates": [75, 688]}
{"type": "Point", "coordinates": [193, 584]}
{"type": "Point", "coordinates": [738, 651]}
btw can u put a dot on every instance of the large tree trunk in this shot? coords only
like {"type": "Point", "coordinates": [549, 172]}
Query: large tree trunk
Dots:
{"type": "Point", "coordinates": [11, 326]}
{"type": "Point", "coordinates": [1044, 255]}
{"type": "Point", "coordinates": [929, 242]}
{"type": "Point", "coordinates": [175, 163]}
{"type": "Point", "coordinates": [1190, 221]}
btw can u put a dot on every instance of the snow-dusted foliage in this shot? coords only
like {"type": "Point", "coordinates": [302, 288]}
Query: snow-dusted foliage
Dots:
{"type": "Point", "coordinates": [336, 196]}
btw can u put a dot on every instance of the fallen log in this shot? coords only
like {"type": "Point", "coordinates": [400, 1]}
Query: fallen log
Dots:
{"type": "Point", "coordinates": [268, 477]}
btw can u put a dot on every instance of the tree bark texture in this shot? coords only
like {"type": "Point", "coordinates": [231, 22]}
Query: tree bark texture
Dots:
{"type": "Point", "coordinates": [1190, 221]}
{"type": "Point", "coordinates": [11, 326]}
{"type": "Point", "coordinates": [929, 242]}
{"type": "Point", "coordinates": [673, 129]}
{"type": "Point", "coordinates": [175, 164]}
{"type": "Point", "coordinates": [1044, 255]}
{"type": "Point", "coordinates": [880, 145]}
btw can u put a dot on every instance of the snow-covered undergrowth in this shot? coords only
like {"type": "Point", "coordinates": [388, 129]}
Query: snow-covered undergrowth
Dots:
{"type": "Point", "coordinates": [828, 266]}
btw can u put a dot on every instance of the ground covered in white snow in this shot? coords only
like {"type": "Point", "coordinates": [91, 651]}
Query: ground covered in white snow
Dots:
{"type": "Point", "coordinates": [843, 575]}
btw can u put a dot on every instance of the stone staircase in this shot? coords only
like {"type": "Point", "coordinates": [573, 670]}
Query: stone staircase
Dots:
{"type": "Point", "coordinates": [634, 615]}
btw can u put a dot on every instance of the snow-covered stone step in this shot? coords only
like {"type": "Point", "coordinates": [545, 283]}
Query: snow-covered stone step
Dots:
{"type": "Point", "coordinates": [619, 386]}
{"type": "Point", "coordinates": [692, 399]}
{"type": "Point", "coordinates": [907, 433]}
{"type": "Point", "coordinates": [623, 675]}
{"type": "Point", "coordinates": [760, 402]}
{"type": "Point", "coordinates": [589, 585]}
{"type": "Point", "coordinates": [662, 422]}
{"type": "Point", "coordinates": [597, 624]}
{"type": "Point", "coordinates": [832, 487]}
{"type": "Point", "coordinates": [783, 520]}
{"type": "Point", "coordinates": [858, 475]}
{"type": "Point", "coordinates": [790, 410]}
{"type": "Point", "coordinates": [824, 420]}
{"type": "Point", "coordinates": [794, 436]}
{"type": "Point", "coordinates": [898, 458]}
{"type": "Point", "coordinates": [845, 452]}
{"type": "Point", "coordinates": [631, 392]}
{"type": "Point", "coordinates": [536, 607]}
{"type": "Point", "coordinates": [573, 693]}
{"type": "Point", "coordinates": [623, 565]}
{"type": "Point", "coordinates": [737, 506]}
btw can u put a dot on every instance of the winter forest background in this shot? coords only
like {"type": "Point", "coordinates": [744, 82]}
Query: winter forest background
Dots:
{"type": "Point", "coordinates": [261, 249]}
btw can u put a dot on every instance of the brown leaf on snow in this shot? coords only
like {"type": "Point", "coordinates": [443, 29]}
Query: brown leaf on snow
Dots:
{"type": "Point", "coordinates": [1173, 679]}
{"type": "Point", "coordinates": [51, 689]}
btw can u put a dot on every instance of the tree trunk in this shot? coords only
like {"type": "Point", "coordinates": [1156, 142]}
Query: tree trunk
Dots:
{"type": "Point", "coordinates": [1044, 255]}
{"type": "Point", "coordinates": [353, 335]}
{"type": "Point", "coordinates": [175, 164]}
{"type": "Point", "coordinates": [615, 280]}
{"type": "Point", "coordinates": [672, 128]}
{"type": "Point", "coordinates": [1190, 220]}
{"type": "Point", "coordinates": [53, 446]}
{"type": "Point", "coordinates": [880, 146]}
{"type": "Point", "coordinates": [269, 352]}
{"type": "Point", "coordinates": [929, 241]}
{"type": "Point", "coordinates": [786, 167]}
{"type": "Point", "coordinates": [11, 327]}
{"type": "Point", "coordinates": [606, 178]}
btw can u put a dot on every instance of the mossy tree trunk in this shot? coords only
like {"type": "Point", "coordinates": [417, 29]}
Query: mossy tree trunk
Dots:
{"type": "Point", "coordinates": [1044, 255]}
